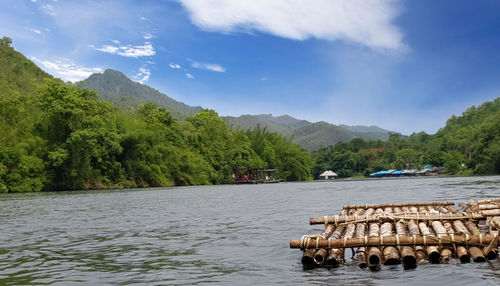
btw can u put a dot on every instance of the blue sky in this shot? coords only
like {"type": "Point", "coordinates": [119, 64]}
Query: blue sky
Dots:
{"type": "Point", "coordinates": [406, 66]}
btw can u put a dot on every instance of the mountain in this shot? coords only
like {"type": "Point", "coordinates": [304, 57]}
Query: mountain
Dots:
{"type": "Point", "coordinates": [284, 125]}
{"type": "Point", "coordinates": [368, 132]}
{"type": "Point", "coordinates": [319, 134]}
{"type": "Point", "coordinates": [114, 86]}
{"type": "Point", "coordinates": [309, 135]}
{"type": "Point", "coordinates": [18, 75]}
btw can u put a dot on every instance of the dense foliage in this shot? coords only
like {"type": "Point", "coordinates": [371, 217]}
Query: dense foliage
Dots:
{"type": "Point", "coordinates": [468, 144]}
{"type": "Point", "coordinates": [55, 136]}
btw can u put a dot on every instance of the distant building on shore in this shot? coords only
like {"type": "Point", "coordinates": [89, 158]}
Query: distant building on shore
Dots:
{"type": "Point", "coordinates": [328, 175]}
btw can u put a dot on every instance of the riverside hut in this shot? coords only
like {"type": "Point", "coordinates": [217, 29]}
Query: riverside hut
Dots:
{"type": "Point", "coordinates": [328, 175]}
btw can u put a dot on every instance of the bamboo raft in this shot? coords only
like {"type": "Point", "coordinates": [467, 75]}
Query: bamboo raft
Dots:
{"type": "Point", "coordinates": [406, 233]}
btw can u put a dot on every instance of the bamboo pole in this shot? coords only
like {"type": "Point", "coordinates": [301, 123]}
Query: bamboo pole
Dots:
{"type": "Point", "coordinates": [393, 241]}
{"type": "Point", "coordinates": [440, 230]}
{"type": "Point", "coordinates": [460, 251]}
{"type": "Point", "coordinates": [432, 251]}
{"type": "Point", "coordinates": [407, 252]}
{"type": "Point", "coordinates": [330, 231]}
{"type": "Point", "coordinates": [488, 201]}
{"type": "Point", "coordinates": [474, 251]}
{"type": "Point", "coordinates": [335, 254]}
{"type": "Point", "coordinates": [367, 206]}
{"type": "Point", "coordinates": [374, 253]}
{"type": "Point", "coordinates": [383, 217]}
{"type": "Point", "coordinates": [360, 233]}
{"type": "Point", "coordinates": [488, 252]}
{"type": "Point", "coordinates": [419, 250]}
{"type": "Point", "coordinates": [390, 253]}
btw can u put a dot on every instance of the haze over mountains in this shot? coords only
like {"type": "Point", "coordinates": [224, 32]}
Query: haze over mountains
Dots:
{"type": "Point", "coordinates": [114, 86]}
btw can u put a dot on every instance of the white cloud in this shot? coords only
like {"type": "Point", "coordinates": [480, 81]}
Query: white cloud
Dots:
{"type": "Point", "coordinates": [36, 31]}
{"type": "Point", "coordinates": [207, 66]}
{"type": "Point", "coordinates": [116, 42]}
{"type": "Point", "coordinates": [66, 69]}
{"type": "Point", "coordinates": [145, 50]}
{"type": "Point", "coordinates": [174, 66]}
{"type": "Point", "coordinates": [143, 75]}
{"type": "Point", "coordinates": [190, 76]}
{"type": "Point", "coordinates": [148, 36]}
{"type": "Point", "coordinates": [48, 9]}
{"type": "Point", "coordinates": [365, 22]}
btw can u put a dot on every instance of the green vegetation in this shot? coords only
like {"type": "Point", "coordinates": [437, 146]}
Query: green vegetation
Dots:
{"type": "Point", "coordinates": [56, 136]}
{"type": "Point", "coordinates": [468, 144]}
{"type": "Point", "coordinates": [310, 136]}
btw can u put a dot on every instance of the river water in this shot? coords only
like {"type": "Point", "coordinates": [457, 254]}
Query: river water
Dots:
{"type": "Point", "coordinates": [223, 235]}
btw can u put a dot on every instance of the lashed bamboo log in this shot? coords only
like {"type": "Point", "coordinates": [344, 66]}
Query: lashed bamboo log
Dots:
{"type": "Point", "coordinates": [488, 201]}
{"type": "Point", "coordinates": [440, 230]}
{"type": "Point", "coordinates": [367, 206]}
{"type": "Point", "coordinates": [393, 241]}
{"type": "Point", "coordinates": [432, 251]}
{"type": "Point", "coordinates": [407, 252]}
{"type": "Point", "coordinates": [335, 254]}
{"type": "Point", "coordinates": [487, 252]}
{"type": "Point", "coordinates": [419, 250]}
{"type": "Point", "coordinates": [360, 233]}
{"type": "Point", "coordinates": [491, 251]}
{"type": "Point", "coordinates": [374, 257]}
{"type": "Point", "coordinates": [461, 251]}
{"type": "Point", "coordinates": [390, 253]}
{"type": "Point", "coordinates": [383, 217]}
{"type": "Point", "coordinates": [330, 231]}
{"type": "Point", "coordinates": [475, 252]}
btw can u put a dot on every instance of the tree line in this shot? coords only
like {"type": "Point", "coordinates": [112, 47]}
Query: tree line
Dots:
{"type": "Point", "coordinates": [467, 144]}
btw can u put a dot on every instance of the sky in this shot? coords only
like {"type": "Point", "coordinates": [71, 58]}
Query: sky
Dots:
{"type": "Point", "coordinates": [405, 66]}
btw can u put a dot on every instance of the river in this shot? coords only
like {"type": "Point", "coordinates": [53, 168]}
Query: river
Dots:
{"type": "Point", "coordinates": [222, 235]}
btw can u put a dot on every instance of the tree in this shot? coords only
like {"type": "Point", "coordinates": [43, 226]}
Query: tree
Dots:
{"type": "Point", "coordinates": [6, 41]}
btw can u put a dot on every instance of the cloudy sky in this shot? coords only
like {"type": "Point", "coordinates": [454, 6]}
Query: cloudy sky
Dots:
{"type": "Point", "coordinates": [406, 66]}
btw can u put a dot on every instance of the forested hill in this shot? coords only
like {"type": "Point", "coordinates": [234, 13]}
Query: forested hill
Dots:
{"type": "Point", "coordinates": [468, 144]}
{"type": "Point", "coordinates": [115, 87]}
{"type": "Point", "coordinates": [311, 136]}
{"type": "Point", "coordinates": [18, 75]}
{"type": "Point", "coordinates": [55, 136]}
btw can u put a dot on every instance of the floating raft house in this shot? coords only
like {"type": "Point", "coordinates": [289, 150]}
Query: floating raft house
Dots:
{"type": "Point", "coordinates": [405, 233]}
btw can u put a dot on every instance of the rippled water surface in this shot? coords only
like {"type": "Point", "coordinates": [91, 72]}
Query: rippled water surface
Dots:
{"type": "Point", "coordinates": [210, 234]}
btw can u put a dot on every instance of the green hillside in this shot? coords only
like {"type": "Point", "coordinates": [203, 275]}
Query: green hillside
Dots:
{"type": "Point", "coordinates": [18, 75]}
{"type": "Point", "coordinates": [115, 87]}
{"type": "Point", "coordinates": [56, 136]}
{"type": "Point", "coordinates": [284, 125]}
{"type": "Point", "coordinates": [318, 134]}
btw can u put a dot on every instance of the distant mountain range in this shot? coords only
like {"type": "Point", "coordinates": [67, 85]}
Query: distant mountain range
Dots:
{"type": "Point", "coordinates": [310, 136]}
{"type": "Point", "coordinates": [114, 86]}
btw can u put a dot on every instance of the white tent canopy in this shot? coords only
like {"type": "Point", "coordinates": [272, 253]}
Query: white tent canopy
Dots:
{"type": "Point", "coordinates": [328, 174]}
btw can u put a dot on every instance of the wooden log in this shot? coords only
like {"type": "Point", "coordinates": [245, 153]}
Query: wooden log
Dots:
{"type": "Point", "coordinates": [331, 257]}
{"type": "Point", "coordinates": [440, 230]}
{"type": "Point", "coordinates": [488, 201]}
{"type": "Point", "coordinates": [308, 258]}
{"type": "Point", "coordinates": [491, 250]}
{"type": "Point", "coordinates": [390, 253]}
{"type": "Point", "coordinates": [367, 206]}
{"type": "Point", "coordinates": [360, 233]}
{"type": "Point", "coordinates": [461, 251]}
{"type": "Point", "coordinates": [475, 253]}
{"type": "Point", "coordinates": [407, 252]}
{"type": "Point", "coordinates": [432, 251]}
{"type": "Point", "coordinates": [495, 212]}
{"type": "Point", "coordinates": [419, 250]}
{"type": "Point", "coordinates": [374, 257]}
{"type": "Point", "coordinates": [383, 217]}
{"type": "Point", "coordinates": [393, 241]}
